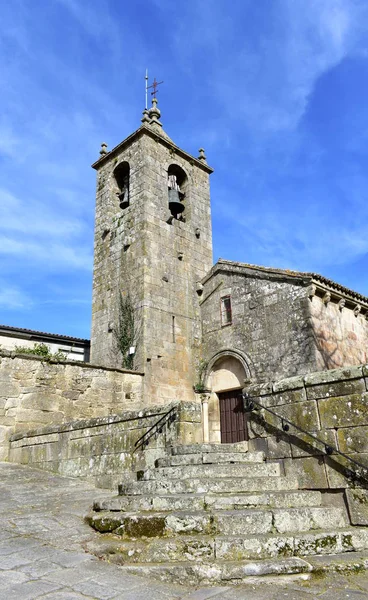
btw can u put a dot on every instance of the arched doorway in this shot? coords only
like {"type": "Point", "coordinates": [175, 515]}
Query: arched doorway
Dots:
{"type": "Point", "coordinates": [227, 372]}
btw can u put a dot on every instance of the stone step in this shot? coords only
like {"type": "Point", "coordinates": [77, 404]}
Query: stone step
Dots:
{"type": "Point", "coordinates": [210, 458]}
{"type": "Point", "coordinates": [288, 499]}
{"type": "Point", "coordinates": [226, 573]}
{"type": "Point", "coordinates": [250, 571]}
{"type": "Point", "coordinates": [194, 502]}
{"type": "Point", "coordinates": [205, 485]}
{"type": "Point", "coordinates": [202, 548]}
{"type": "Point", "coordinates": [211, 471]}
{"type": "Point", "coordinates": [238, 522]}
{"type": "Point", "coordinates": [301, 544]}
{"type": "Point", "coordinates": [204, 448]}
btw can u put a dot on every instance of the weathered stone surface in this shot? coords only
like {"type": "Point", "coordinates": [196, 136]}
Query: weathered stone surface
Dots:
{"type": "Point", "coordinates": [336, 388]}
{"type": "Point", "coordinates": [99, 448]}
{"type": "Point", "coordinates": [285, 397]}
{"type": "Point", "coordinates": [230, 485]}
{"type": "Point", "coordinates": [210, 458]}
{"type": "Point", "coordinates": [303, 445]}
{"type": "Point", "coordinates": [332, 375]}
{"type": "Point", "coordinates": [310, 472]}
{"type": "Point", "coordinates": [357, 500]}
{"type": "Point", "coordinates": [345, 411]}
{"type": "Point", "coordinates": [38, 393]}
{"type": "Point", "coordinates": [212, 470]}
{"type": "Point", "coordinates": [205, 448]}
{"type": "Point", "coordinates": [278, 446]}
{"type": "Point", "coordinates": [303, 414]}
{"type": "Point", "coordinates": [353, 439]}
{"type": "Point", "coordinates": [305, 519]}
{"type": "Point", "coordinates": [291, 383]}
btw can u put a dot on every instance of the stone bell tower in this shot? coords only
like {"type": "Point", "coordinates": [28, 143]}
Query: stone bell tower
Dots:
{"type": "Point", "coordinates": [153, 244]}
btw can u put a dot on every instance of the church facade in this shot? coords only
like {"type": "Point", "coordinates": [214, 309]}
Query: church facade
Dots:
{"type": "Point", "coordinates": [162, 308]}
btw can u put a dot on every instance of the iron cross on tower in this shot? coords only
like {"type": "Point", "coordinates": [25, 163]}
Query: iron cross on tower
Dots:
{"type": "Point", "coordinates": [154, 86]}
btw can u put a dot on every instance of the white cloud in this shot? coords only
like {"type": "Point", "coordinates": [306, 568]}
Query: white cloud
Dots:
{"type": "Point", "coordinates": [35, 218]}
{"type": "Point", "coordinates": [13, 298]}
{"type": "Point", "coordinates": [48, 254]}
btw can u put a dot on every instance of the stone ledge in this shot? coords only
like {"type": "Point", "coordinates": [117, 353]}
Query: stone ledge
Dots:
{"type": "Point", "coordinates": [312, 379]}
{"type": "Point", "coordinates": [90, 423]}
{"type": "Point", "coordinates": [291, 383]}
{"type": "Point", "coordinates": [73, 363]}
{"type": "Point", "coordinates": [332, 375]}
{"type": "Point", "coordinates": [132, 415]}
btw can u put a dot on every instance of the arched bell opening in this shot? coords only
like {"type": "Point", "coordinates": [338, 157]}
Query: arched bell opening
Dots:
{"type": "Point", "coordinates": [122, 177]}
{"type": "Point", "coordinates": [177, 183]}
{"type": "Point", "coordinates": [227, 421]}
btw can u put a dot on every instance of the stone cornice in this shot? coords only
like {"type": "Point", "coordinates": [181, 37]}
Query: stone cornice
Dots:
{"type": "Point", "coordinates": [320, 285]}
{"type": "Point", "coordinates": [156, 135]}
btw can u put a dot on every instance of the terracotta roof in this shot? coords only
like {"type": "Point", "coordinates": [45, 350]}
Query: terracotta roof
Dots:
{"type": "Point", "coordinates": [42, 333]}
{"type": "Point", "coordinates": [297, 274]}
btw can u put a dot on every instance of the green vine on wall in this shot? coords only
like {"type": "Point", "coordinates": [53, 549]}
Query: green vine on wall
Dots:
{"type": "Point", "coordinates": [200, 386]}
{"type": "Point", "coordinates": [125, 334]}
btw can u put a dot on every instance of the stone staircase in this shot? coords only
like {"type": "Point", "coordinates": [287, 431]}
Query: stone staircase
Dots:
{"type": "Point", "coordinates": [217, 513]}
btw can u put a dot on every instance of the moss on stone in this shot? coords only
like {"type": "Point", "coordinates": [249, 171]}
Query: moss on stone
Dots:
{"type": "Point", "coordinates": [145, 527]}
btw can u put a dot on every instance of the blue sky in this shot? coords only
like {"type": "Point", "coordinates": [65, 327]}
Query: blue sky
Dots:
{"type": "Point", "coordinates": [274, 90]}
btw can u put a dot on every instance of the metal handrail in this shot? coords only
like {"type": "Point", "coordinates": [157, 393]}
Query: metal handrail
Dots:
{"type": "Point", "coordinates": [249, 405]}
{"type": "Point", "coordinates": [168, 417]}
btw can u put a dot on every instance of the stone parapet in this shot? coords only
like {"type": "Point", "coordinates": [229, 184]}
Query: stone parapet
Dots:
{"type": "Point", "coordinates": [331, 405]}
{"type": "Point", "coordinates": [35, 393]}
{"type": "Point", "coordinates": [102, 449]}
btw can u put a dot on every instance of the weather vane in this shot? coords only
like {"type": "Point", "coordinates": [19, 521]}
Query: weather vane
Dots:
{"type": "Point", "coordinates": [154, 86]}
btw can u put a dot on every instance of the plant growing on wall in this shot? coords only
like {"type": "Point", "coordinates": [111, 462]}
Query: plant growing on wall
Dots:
{"type": "Point", "coordinates": [125, 334]}
{"type": "Point", "coordinates": [199, 386]}
{"type": "Point", "coordinates": [41, 349]}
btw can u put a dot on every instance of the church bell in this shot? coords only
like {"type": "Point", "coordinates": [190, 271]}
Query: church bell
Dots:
{"type": "Point", "coordinates": [175, 205]}
{"type": "Point", "coordinates": [123, 199]}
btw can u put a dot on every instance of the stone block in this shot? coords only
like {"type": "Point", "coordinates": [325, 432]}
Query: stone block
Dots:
{"type": "Point", "coordinates": [5, 433]}
{"type": "Point", "coordinates": [4, 453]}
{"type": "Point", "coordinates": [291, 383]}
{"type": "Point", "coordinates": [357, 500]}
{"type": "Point", "coordinates": [345, 411]}
{"type": "Point", "coordinates": [333, 375]}
{"type": "Point", "coordinates": [336, 388]}
{"type": "Point", "coordinates": [310, 472]}
{"type": "Point", "coordinates": [303, 414]}
{"type": "Point", "coordinates": [353, 439]}
{"type": "Point", "coordinates": [337, 468]}
{"type": "Point", "coordinates": [304, 445]}
{"type": "Point", "coordinates": [285, 397]}
{"type": "Point", "coordinates": [190, 412]}
{"type": "Point", "coordinates": [278, 446]}
{"type": "Point", "coordinates": [189, 433]}
{"type": "Point", "coordinates": [260, 389]}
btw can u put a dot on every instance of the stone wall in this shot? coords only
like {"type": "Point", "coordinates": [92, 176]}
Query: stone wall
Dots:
{"type": "Point", "coordinates": [332, 405]}
{"type": "Point", "coordinates": [282, 323]}
{"type": "Point", "coordinates": [102, 449]}
{"type": "Point", "coordinates": [270, 322]}
{"type": "Point", "coordinates": [341, 333]}
{"type": "Point", "coordinates": [35, 393]}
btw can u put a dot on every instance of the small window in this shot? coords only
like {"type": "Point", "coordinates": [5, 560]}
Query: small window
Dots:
{"type": "Point", "coordinates": [226, 317]}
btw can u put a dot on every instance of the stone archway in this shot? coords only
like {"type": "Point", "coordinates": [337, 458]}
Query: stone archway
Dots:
{"type": "Point", "coordinates": [228, 370]}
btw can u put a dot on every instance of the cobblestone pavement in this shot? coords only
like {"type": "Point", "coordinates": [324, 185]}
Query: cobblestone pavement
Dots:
{"type": "Point", "coordinates": [41, 552]}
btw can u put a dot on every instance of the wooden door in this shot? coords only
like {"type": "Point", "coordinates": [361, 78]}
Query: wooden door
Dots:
{"type": "Point", "coordinates": [233, 422]}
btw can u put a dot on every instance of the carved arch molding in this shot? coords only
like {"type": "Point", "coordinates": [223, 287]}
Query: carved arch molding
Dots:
{"type": "Point", "coordinates": [228, 369]}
